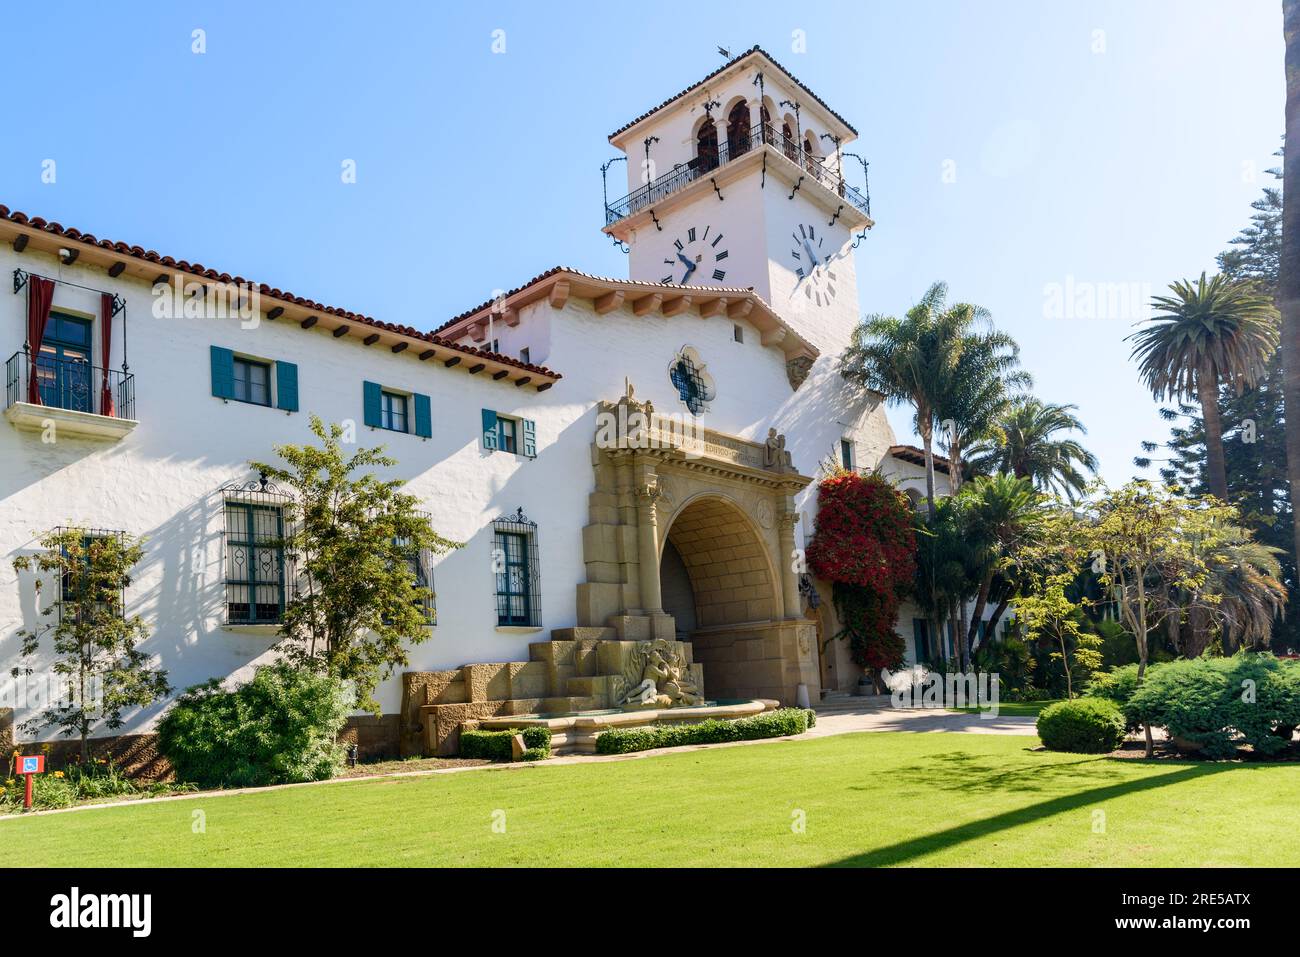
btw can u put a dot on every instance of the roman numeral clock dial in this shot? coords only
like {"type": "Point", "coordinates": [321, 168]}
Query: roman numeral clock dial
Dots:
{"type": "Point", "coordinates": [812, 263]}
{"type": "Point", "coordinates": [696, 257]}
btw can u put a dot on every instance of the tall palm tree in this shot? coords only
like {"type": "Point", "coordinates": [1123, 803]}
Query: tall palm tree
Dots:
{"type": "Point", "coordinates": [1206, 333]}
{"type": "Point", "coordinates": [906, 360]}
{"type": "Point", "coordinates": [1024, 441]}
{"type": "Point", "coordinates": [1289, 258]}
{"type": "Point", "coordinates": [982, 378]}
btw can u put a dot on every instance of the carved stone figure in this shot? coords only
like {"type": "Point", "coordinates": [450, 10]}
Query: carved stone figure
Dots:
{"type": "Point", "coordinates": [657, 676]}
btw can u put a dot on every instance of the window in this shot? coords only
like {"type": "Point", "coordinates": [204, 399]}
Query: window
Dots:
{"type": "Point", "coordinates": [420, 564]}
{"type": "Point", "coordinates": [502, 433]}
{"type": "Point", "coordinates": [525, 355]}
{"type": "Point", "coordinates": [245, 379]}
{"type": "Point", "coordinates": [738, 332]}
{"type": "Point", "coordinates": [254, 560]}
{"type": "Point", "coordinates": [63, 369]}
{"type": "Point", "coordinates": [921, 640]}
{"type": "Point", "coordinates": [706, 147]}
{"type": "Point", "coordinates": [694, 385]}
{"type": "Point", "coordinates": [505, 434]}
{"type": "Point", "coordinates": [396, 411]}
{"type": "Point", "coordinates": [514, 562]}
{"type": "Point", "coordinates": [738, 130]}
{"type": "Point", "coordinates": [252, 381]}
{"type": "Point", "coordinates": [393, 411]}
{"type": "Point", "coordinates": [846, 453]}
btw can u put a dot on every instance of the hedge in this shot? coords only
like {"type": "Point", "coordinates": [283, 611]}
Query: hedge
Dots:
{"type": "Point", "coordinates": [770, 724]}
{"type": "Point", "coordinates": [1219, 703]}
{"type": "Point", "coordinates": [1082, 726]}
{"type": "Point", "coordinates": [496, 745]}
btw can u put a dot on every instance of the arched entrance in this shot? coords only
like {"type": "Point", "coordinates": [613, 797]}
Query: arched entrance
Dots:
{"type": "Point", "coordinates": [718, 583]}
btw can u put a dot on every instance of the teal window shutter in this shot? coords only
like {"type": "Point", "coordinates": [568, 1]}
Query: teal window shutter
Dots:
{"type": "Point", "coordinates": [286, 386]}
{"type": "Point", "coordinates": [423, 416]}
{"type": "Point", "coordinates": [918, 639]}
{"type": "Point", "coordinates": [223, 373]}
{"type": "Point", "coordinates": [489, 430]}
{"type": "Point", "coordinates": [530, 439]}
{"type": "Point", "coordinates": [372, 395]}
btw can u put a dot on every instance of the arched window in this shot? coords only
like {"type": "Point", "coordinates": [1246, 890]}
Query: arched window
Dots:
{"type": "Point", "coordinates": [787, 142]}
{"type": "Point", "coordinates": [766, 119]}
{"type": "Point", "coordinates": [706, 147]}
{"type": "Point", "coordinates": [738, 130]}
{"type": "Point", "coordinates": [809, 155]}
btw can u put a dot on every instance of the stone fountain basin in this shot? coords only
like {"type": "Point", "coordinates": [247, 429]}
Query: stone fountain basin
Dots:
{"type": "Point", "coordinates": [576, 733]}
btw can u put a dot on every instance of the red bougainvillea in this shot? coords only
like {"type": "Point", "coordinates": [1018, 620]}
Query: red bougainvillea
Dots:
{"type": "Point", "coordinates": [864, 543]}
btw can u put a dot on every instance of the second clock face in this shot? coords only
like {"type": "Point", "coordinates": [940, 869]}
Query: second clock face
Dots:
{"type": "Point", "coordinates": [812, 263]}
{"type": "Point", "coordinates": [697, 256]}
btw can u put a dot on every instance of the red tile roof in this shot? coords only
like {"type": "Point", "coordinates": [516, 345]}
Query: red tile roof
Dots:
{"type": "Point", "coordinates": [726, 66]}
{"type": "Point", "coordinates": [910, 453]}
{"type": "Point", "coordinates": [197, 269]}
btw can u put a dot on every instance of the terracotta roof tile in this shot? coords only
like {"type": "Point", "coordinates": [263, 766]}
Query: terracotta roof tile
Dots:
{"type": "Point", "coordinates": [726, 66]}
{"type": "Point", "coordinates": [74, 235]}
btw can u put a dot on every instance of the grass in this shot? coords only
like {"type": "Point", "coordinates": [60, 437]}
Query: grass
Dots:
{"type": "Point", "coordinates": [885, 798]}
{"type": "Point", "coordinates": [1014, 709]}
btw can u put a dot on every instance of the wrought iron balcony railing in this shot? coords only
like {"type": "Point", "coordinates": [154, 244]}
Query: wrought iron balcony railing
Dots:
{"type": "Point", "coordinates": [68, 383]}
{"type": "Point", "coordinates": [729, 149]}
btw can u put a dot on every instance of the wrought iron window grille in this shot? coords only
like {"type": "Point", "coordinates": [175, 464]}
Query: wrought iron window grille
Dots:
{"type": "Point", "coordinates": [517, 571]}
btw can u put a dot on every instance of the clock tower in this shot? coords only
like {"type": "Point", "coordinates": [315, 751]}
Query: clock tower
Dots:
{"type": "Point", "coordinates": [739, 181]}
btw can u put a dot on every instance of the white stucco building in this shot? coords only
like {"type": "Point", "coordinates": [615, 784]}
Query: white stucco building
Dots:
{"type": "Point", "coordinates": [741, 293]}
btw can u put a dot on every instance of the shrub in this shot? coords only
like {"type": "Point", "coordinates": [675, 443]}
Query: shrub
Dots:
{"type": "Point", "coordinates": [281, 727]}
{"type": "Point", "coordinates": [770, 724]}
{"type": "Point", "coordinates": [1118, 686]}
{"type": "Point", "coordinates": [812, 717]}
{"type": "Point", "coordinates": [1082, 726]}
{"type": "Point", "coordinates": [1210, 701]}
{"type": "Point", "coordinates": [496, 745]}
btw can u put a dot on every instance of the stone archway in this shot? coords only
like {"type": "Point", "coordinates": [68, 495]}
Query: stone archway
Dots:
{"type": "Point", "coordinates": [727, 606]}
{"type": "Point", "coordinates": [688, 537]}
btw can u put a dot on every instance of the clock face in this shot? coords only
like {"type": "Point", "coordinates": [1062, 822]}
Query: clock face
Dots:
{"type": "Point", "coordinates": [813, 263]}
{"type": "Point", "coordinates": [696, 257]}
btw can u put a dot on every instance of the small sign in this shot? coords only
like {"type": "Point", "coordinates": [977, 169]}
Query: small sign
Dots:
{"type": "Point", "coordinates": [31, 764]}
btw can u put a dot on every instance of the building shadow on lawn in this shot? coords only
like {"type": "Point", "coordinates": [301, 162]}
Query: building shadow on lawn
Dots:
{"type": "Point", "coordinates": [969, 773]}
{"type": "Point", "coordinates": [907, 850]}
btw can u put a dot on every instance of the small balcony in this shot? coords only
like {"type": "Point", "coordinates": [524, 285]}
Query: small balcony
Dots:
{"type": "Point", "coordinates": [68, 397]}
{"type": "Point", "coordinates": [701, 166]}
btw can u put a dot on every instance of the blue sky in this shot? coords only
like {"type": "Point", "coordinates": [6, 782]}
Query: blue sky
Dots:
{"type": "Point", "coordinates": [1092, 143]}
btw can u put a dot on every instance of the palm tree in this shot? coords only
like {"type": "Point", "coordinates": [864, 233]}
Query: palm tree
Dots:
{"type": "Point", "coordinates": [1246, 576]}
{"type": "Point", "coordinates": [905, 361]}
{"type": "Point", "coordinates": [1207, 332]}
{"type": "Point", "coordinates": [1002, 513]}
{"type": "Point", "coordinates": [981, 379]}
{"type": "Point", "coordinates": [1289, 258]}
{"type": "Point", "coordinates": [1023, 441]}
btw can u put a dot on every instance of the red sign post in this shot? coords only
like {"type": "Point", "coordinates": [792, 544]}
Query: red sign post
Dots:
{"type": "Point", "coordinates": [28, 766]}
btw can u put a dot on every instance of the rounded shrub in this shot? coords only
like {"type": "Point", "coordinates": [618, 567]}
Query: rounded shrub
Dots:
{"type": "Point", "coordinates": [1082, 726]}
{"type": "Point", "coordinates": [280, 727]}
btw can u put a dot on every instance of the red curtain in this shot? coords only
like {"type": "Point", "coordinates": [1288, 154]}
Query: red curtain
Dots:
{"type": "Point", "coordinates": [40, 296]}
{"type": "Point", "coordinates": [105, 345]}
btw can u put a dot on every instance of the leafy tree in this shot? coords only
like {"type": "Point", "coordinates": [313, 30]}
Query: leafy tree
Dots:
{"type": "Point", "coordinates": [1207, 333]}
{"type": "Point", "coordinates": [96, 647]}
{"type": "Point", "coordinates": [1023, 440]}
{"type": "Point", "coordinates": [948, 569]}
{"type": "Point", "coordinates": [357, 542]}
{"type": "Point", "coordinates": [1048, 615]}
{"type": "Point", "coordinates": [1147, 546]}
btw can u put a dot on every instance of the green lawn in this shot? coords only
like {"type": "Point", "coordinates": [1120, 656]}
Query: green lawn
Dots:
{"type": "Point", "coordinates": [1014, 709]}
{"type": "Point", "coordinates": [867, 799]}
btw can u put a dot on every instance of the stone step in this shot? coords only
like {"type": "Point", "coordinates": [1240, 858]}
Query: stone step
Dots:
{"type": "Point", "coordinates": [581, 633]}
